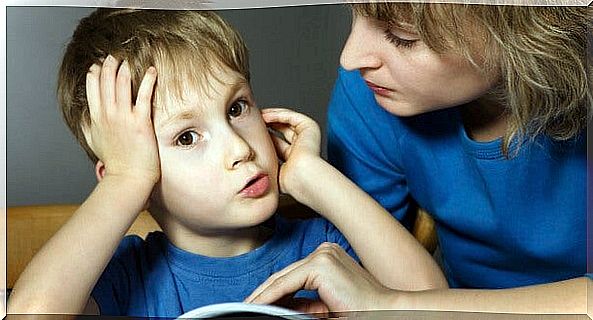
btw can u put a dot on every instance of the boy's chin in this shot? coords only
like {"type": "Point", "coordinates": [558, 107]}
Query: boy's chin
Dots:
{"type": "Point", "coordinates": [266, 211]}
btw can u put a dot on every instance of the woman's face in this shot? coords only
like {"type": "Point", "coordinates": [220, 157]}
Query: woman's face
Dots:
{"type": "Point", "coordinates": [406, 76]}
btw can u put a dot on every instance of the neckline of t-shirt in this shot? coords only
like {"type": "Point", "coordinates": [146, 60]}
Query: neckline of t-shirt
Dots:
{"type": "Point", "coordinates": [488, 150]}
{"type": "Point", "coordinates": [221, 267]}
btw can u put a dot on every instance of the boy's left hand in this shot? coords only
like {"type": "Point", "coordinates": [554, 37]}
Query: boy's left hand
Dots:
{"type": "Point", "coordinates": [302, 144]}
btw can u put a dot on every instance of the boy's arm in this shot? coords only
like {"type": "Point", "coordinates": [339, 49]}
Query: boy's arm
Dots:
{"type": "Point", "coordinates": [386, 249]}
{"type": "Point", "coordinates": [61, 276]}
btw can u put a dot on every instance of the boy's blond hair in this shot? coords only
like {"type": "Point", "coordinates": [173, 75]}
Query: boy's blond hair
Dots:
{"type": "Point", "coordinates": [186, 47]}
{"type": "Point", "coordinates": [541, 53]}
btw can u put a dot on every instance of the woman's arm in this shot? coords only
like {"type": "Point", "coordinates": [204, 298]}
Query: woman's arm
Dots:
{"type": "Point", "coordinates": [568, 297]}
{"type": "Point", "coordinates": [344, 286]}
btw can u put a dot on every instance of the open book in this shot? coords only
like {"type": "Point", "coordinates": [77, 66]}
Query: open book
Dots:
{"type": "Point", "coordinates": [238, 309]}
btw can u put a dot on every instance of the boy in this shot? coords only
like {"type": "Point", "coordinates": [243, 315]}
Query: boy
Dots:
{"type": "Point", "coordinates": [196, 152]}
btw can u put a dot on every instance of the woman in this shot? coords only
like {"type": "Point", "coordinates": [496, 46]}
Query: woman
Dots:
{"type": "Point", "coordinates": [477, 114]}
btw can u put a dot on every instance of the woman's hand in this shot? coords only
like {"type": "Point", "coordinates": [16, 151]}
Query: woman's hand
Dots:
{"type": "Point", "coordinates": [342, 283]}
{"type": "Point", "coordinates": [300, 146]}
{"type": "Point", "coordinates": [121, 133]}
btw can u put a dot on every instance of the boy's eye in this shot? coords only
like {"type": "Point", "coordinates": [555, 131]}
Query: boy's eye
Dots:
{"type": "Point", "coordinates": [188, 138]}
{"type": "Point", "coordinates": [237, 108]}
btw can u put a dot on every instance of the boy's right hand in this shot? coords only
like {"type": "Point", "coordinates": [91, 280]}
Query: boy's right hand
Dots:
{"type": "Point", "coordinates": [121, 133]}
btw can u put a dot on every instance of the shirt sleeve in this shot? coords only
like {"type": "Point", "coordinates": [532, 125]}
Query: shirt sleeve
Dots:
{"type": "Point", "coordinates": [363, 143]}
{"type": "Point", "coordinates": [112, 290]}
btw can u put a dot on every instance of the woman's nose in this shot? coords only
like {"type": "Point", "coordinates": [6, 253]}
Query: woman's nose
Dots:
{"type": "Point", "coordinates": [359, 50]}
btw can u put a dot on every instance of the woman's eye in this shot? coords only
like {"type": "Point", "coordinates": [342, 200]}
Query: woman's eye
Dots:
{"type": "Point", "coordinates": [188, 138]}
{"type": "Point", "coordinates": [237, 108]}
{"type": "Point", "coordinates": [399, 35]}
{"type": "Point", "coordinates": [399, 42]}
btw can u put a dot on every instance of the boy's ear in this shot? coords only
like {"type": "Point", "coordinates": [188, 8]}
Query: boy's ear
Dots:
{"type": "Point", "coordinates": [100, 170]}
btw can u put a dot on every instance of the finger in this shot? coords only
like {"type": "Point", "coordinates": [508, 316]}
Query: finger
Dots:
{"type": "Point", "coordinates": [108, 74]}
{"type": "Point", "coordinates": [308, 306]}
{"type": "Point", "coordinates": [124, 87]}
{"type": "Point", "coordinates": [145, 91]}
{"type": "Point", "coordinates": [304, 305]}
{"type": "Point", "coordinates": [281, 146]}
{"type": "Point", "coordinates": [346, 260]}
{"type": "Point", "coordinates": [286, 116]}
{"type": "Point", "coordinates": [272, 109]}
{"type": "Point", "coordinates": [288, 133]}
{"type": "Point", "coordinates": [298, 123]}
{"type": "Point", "coordinates": [293, 281]}
{"type": "Point", "coordinates": [271, 279]}
{"type": "Point", "coordinates": [93, 91]}
{"type": "Point", "coordinates": [280, 115]}
{"type": "Point", "coordinates": [277, 110]}
{"type": "Point", "coordinates": [86, 132]}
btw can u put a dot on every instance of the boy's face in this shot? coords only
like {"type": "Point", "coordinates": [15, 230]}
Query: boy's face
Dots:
{"type": "Point", "coordinates": [218, 164]}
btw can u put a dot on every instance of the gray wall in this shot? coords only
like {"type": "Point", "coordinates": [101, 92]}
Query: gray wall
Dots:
{"type": "Point", "coordinates": [294, 56]}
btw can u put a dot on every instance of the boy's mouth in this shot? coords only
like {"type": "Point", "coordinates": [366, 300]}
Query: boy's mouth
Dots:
{"type": "Point", "coordinates": [256, 186]}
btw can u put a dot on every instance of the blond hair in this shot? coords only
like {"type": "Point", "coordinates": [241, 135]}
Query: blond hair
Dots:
{"type": "Point", "coordinates": [184, 46]}
{"type": "Point", "coordinates": [540, 52]}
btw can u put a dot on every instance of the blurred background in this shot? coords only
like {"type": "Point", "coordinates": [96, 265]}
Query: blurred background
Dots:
{"type": "Point", "coordinates": [294, 55]}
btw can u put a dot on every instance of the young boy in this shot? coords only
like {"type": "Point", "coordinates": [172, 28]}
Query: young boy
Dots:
{"type": "Point", "coordinates": [196, 152]}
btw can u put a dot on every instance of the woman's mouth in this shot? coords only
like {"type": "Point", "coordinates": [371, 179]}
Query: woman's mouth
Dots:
{"type": "Point", "coordinates": [256, 187]}
{"type": "Point", "coordinates": [382, 91]}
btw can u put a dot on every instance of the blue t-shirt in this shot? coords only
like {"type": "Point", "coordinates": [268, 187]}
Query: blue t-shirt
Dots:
{"type": "Point", "coordinates": [500, 222]}
{"type": "Point", "coordinates": [153, 278]}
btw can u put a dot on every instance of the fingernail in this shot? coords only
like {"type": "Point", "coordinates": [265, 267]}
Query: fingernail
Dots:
{"type": "Point", "coordinates": [125, 66]}
{"type": "Point", "coordinates": [93, 67]}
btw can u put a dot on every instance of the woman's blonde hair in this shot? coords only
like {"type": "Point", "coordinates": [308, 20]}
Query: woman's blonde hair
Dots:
{"type": "Point", "coordinates": [540, 52]}
{"type": "Point", "coordinates": [186, 47]}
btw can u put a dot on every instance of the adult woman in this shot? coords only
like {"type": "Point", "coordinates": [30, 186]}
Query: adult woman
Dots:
{"type": "Point", "coordinates": [477, 113]}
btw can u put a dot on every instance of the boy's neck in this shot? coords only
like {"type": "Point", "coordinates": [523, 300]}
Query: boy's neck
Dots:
{"type": "Point", "coordinates": [222, 244]}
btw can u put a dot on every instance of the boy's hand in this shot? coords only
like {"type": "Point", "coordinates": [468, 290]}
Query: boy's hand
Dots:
{"type": "Point", "coordinates": [302, 145]}
{"type": "Point", "coordinates": [121, 133]}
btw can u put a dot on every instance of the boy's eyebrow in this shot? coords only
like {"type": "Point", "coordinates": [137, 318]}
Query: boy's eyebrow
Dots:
{"type": "Point", "coordinates": [184, 115]}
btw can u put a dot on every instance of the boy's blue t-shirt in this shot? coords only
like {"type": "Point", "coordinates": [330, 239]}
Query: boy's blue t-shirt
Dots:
{"type": "Point", "coordinates": [153, 278]}
{"type": "Point", "coordinates": [500, 222]}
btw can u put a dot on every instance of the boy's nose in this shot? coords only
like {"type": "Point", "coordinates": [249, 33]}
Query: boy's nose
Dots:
{"type": "Point", "coordinates": [238, 151]}
{"type": "Point", "coordinates": [358, 52]}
